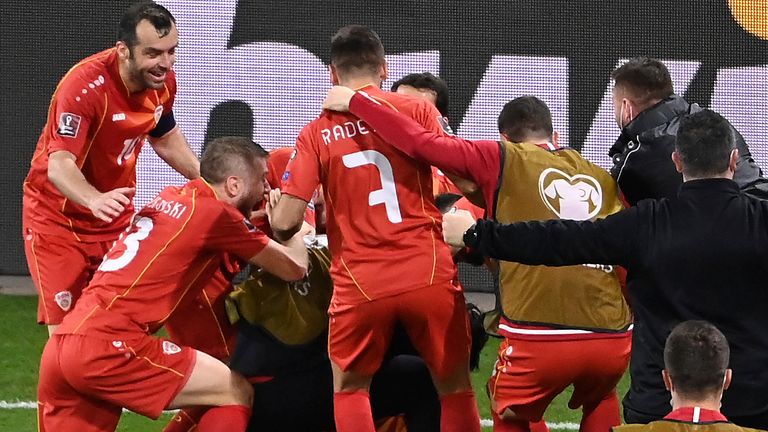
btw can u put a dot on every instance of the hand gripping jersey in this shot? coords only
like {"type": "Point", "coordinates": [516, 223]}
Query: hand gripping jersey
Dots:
{"type": "Point", "coordinates": [384, 230]}
{"type": "Point", "coordinates": [93, 116]}
{"type": "Point", "coordinates": [170, 251]}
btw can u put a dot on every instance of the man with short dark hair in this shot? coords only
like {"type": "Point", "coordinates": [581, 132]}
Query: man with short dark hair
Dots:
{"type": "Point", "coordinates": [648, 113]}
{"type": "Point", "coordinates": [701, 254]}
{"type": "Point", "coordinates": [78, 193]}
{"type": "Point", "coordinates": [585, 342]}
{"type": "Point", "coordinates": [696, 373]}
{"type": "Point", "coordinates": [427, 86]}
{"type": "Point", "coordinates": [390, 265]}
{"type": "Point", "coordinates": [102, 358]}
{"type": "Point", "coordinates": [433, 89]}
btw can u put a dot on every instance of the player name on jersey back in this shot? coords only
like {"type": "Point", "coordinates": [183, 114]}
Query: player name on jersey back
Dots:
{"type": "Point", "coordinates": [343, 131]}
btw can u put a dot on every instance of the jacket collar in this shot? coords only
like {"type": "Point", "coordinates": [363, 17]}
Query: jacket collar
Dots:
{"type": "Point", "coordinates": [660, 114]}
{"type": "Point", "coordinates": [716, 185]}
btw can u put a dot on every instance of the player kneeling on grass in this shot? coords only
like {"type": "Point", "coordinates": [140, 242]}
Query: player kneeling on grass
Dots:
{"type": "Point", "coordinates": [102, 358]}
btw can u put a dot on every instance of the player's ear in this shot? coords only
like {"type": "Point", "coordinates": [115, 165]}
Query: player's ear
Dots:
{"type": "Point", "coordinates": [384, 71]}
{"type": "Point", "coordinates": [123, 51]}
{"type": "Point", "coordinates": [233, 185]}
{"type": "Point", "coordinates": [556, 138]}
{"type": "Point", "coordinates": [334, 74]}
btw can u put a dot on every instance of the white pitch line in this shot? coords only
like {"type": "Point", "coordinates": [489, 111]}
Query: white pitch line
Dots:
{"type": "Point", "coordinates": [483, 422]}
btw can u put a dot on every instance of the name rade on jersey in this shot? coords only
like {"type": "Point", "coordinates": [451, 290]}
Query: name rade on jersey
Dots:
{"type": "Point", "coordinates": [171, 208]}
{"type": "Point", "coordinates": [345, 130]}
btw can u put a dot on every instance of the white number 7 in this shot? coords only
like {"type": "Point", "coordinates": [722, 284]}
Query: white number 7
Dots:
{"type": "Point", "coordinates": [387, 195]}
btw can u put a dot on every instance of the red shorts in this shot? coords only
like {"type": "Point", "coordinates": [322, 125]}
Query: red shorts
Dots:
{"type": "Point", "coordinates": [60, 268]}
{"type": "Point", "coordinates": [85, 381]}
{"type": "Point", "coordinates": [203, 323]}
{"type": "Point", "coordinates": [434, 317]}
{"type": "Point", "coordinates": [529, 373]}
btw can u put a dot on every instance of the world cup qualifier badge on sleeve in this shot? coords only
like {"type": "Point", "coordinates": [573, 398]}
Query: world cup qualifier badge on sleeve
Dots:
{"type": "Point", "coordinates": [69, 125]}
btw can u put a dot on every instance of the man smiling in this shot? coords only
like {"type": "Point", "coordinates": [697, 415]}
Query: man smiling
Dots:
{"type": "Point", "coordinates": [78, 193]}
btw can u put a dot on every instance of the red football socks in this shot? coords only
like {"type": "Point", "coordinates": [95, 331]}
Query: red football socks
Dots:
{"type": "Point", "coordinates": [186, 419]}
{"type": "Point", "coordinates": [500, 425]}
{"type": "Point", "coordinates": [352, 412]}
{"type": "Point", "coordinates": [603, 416]}
{"type": "Point", "coordinates": [539, 426]}
{"type": "Point", "coordinates": [459, 413]}
{"type": "Point", "coordinates": [228, 418]}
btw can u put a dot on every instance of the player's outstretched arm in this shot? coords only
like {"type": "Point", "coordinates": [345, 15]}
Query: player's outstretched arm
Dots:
{"type": "Point", "coordinates": [288, 261]}
{"type": "Point", "coordinates": [69, 180]}
{"type": "Point", "coordinates": [558, 242]}
{"type": "Point", "coordinates": [174, 149]}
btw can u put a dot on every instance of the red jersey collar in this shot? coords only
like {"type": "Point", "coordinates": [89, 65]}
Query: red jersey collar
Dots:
{"type": "Point", "coordinates": [548, 146]}
{"type": "Point", "coordinates": [696, 415]}
{"type": "Point", "coordinates": [369, 88]}
{"type": "Point", "coordinates": [202, 187]}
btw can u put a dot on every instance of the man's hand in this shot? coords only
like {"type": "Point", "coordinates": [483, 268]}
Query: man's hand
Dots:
{"type": "Point", "coordinates": [272, 200]}
{"type": "Point", "coordinates": [338, 99]}
{"type": "Point", "coordinates": [111, 204]}
{"type": "Point", "coordinates": [454, 226]}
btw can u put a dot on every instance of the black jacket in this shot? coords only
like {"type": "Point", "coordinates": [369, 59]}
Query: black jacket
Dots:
{"type": "Point", "coordinates": [642, 164]}
{"type": "Point", "coordinates": [701, 255]}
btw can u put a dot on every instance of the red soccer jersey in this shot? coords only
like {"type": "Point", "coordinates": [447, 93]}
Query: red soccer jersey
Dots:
{"type": "Point", "coordinates": [203, 323]}
{"type": "Point", "coordinates": [278, 160]}
{"type": "Point", "coordinates": [170, 251]}
{"type": "Point", "coordinates": [93, 116]}
{"type": "Point", "coordinates": [384, 231]}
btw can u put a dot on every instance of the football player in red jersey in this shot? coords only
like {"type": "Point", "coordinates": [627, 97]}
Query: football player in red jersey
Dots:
{"type": "Point", "coordinates": [389, 262]}
{"type": "Point", "coordinates": [102, 358]}
{"type": "Point", "coordinates": [78, 193]}
{"type": "Point", "coordinates": [586, 341]}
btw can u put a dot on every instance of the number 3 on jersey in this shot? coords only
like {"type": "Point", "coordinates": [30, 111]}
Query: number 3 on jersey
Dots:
{"type": "Point", "coordinates": [387, 195]}
{"type": "Point", "coordinates": [131, 241]}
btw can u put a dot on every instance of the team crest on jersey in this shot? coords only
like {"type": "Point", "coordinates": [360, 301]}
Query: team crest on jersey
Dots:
{"type": "Point", "coordinates": [443, 122]}
{"type": "Point", "coordinates": [64, 300]}
{"type": "Point", "coordinates": [158, 113]}
{"type": "Point", "coordinates": [69, 125]}
{"type": "Point", "coordinates": [170, 348]}
{"type": "Point", "coordinates": [577, 197]}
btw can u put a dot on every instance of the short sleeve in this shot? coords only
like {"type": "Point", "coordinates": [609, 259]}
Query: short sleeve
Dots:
{"type": "Point", "coordinates": [302, 174]}
{"type": "Point", "coordinates": [75, 109]}
{"type": "Point", "coordinates": [233, 233]}
{"type": "Point", "coordinates": [167, 121]}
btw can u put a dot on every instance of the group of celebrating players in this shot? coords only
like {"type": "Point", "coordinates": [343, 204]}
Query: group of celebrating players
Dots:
{"type": "Point", "coordinates": [308, 354]}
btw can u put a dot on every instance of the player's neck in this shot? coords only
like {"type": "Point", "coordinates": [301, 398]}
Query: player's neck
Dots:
{"type": "Point", "coordinates": [360, 82]}
{"type": "Point", "coordinates": [712, 404]}
{"type": "Point", "coordinates": [130, 84]}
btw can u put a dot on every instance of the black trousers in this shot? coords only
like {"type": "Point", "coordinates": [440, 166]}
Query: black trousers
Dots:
{"type": "Point", "coordinates": [303, 401]}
